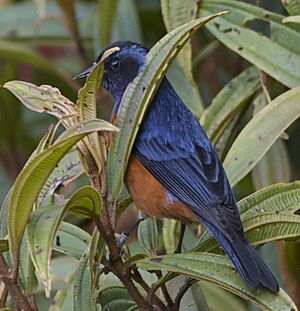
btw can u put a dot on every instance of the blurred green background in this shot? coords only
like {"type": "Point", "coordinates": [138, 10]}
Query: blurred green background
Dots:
{"type": "Point", "coordinates": [48, 42]}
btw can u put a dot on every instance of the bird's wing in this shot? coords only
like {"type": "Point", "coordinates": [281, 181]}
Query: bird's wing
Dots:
{"type": "Point", "coordinates": [195, 177]}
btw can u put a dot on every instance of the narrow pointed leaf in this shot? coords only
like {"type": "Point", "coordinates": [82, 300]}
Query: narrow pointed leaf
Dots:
{"type": "Point", "coordinates": [148, 235]}
{"type": "Point", "coordinates": [218, 270]}
{"type": "Point", "coordinates": [170, 234]}
{"type": "Point", "coordinates": [260, 133]}
{"type": "Point", "coordinates": [292, 6]}
{"type": "Point", "coordinates": [139, 94]}
{"type": "Point", "coordinates": [276, 51]}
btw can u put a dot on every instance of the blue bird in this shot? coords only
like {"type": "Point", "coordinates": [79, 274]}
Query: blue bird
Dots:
{"type": "Point", "coordinates": [174, 171]}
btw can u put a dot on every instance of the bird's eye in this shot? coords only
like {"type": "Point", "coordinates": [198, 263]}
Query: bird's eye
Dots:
{"type": "Point", "coordinates": [115, 64]}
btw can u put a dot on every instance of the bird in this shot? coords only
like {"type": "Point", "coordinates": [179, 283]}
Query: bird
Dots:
{"type": "Point", "coordinates": [174, 171]}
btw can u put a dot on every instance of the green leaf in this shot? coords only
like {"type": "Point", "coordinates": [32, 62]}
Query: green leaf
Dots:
{"type": "Point", "coordinates": [139, 94]}
{"type": "Point", "coordinates": [199, 297]}
{"type": "Point", "coordinates": [279, 197]}
{"type": "Point", "coordinates": [228, 102]}
{"type": "Point", "coordinates": [82, 297]}
{"type": "Point", "coordinates": [276, 198]}
{"type": "Point", "coordinates": [44, 222]}
{"type": "Point", "coordinates": [68, 169]}
{"type": "Point", "coordinates": [278, 54]}
{"type": "Point", "coordinates": [176, 13]}
{"type": "Point", "coordinates": [35, 173]}
{"type": "Point", "coordinates": [266, 227]}
{"type": "Point", "coordinates": [114, 293]}
{"type": "Point", "coordinates": [218, 270]}
{"type": "Point", "coordinates": [170, 234]}
{"type": "Point", "coordinates": [260, 133]}
{"type": "Point", "coordinates": [292, 6]}
{"type": "Point", "coordinates": [71, 240]}
{"type": "Point", "coordinates": [262, 228]}
{"type": "Point", "coordinates": [148, 235]}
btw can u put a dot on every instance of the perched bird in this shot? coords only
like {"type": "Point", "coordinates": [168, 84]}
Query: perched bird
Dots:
{"type": "Point", "coordinates": [174, 171]}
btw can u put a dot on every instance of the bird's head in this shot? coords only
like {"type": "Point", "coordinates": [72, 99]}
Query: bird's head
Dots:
{"type": "Point", "coordinates": [120, 67]}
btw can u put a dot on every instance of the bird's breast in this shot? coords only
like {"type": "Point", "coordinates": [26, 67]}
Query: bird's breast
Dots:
{"type": "Point", "coordinates": [151, 197]}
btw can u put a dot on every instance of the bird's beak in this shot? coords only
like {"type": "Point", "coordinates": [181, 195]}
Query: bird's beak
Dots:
{"type": "Point", "coordinates": [84, 73]}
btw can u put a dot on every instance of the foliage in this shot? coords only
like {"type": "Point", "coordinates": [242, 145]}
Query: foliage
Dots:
{"type": "Point", "coordinates": [40, 225]}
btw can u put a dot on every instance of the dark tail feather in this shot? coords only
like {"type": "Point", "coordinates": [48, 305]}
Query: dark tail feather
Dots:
{"type": "Point", "coordinates": [247, 261]}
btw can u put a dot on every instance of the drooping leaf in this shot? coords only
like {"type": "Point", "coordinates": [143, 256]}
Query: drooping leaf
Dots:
{"type": "Point", "coordinates": [276, 51]}
{"type": "Point", "coordinates": [218, 270]}
{"type": "Point", "coordinates": [138, 95]}
{"type": "Point", "coordinates": [44, 222]}
{"type": "Point", "coordinates": [260, 133]}
{"type": "Point", "coordinates": [114, 293]}
{"type": "Point", "coordinates": [44, 98]}
{"type": "Point", "coordinates": [35, 173]}
{"type": "Point", "coordinates": [292, 19]}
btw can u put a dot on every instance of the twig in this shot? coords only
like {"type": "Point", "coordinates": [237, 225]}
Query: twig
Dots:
{"type": "Point", "coordinates": [138, 278]}
{"type": "Point", "coordinates": [165, 290]}
{"type": "Point", "coordinates": [188, 283]}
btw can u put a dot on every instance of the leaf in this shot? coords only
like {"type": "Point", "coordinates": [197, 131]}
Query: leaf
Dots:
{"type": "Point", "coordinates": [139, 94]}
{"type": "Point", "coordinates": [175, 14]}
{"type": "Point", "coordinates": [82, 298]}
{"type": "Point", "coordinates": [170, 234]}
{"type": "Point", "coordinates": [261, 132]}
{"type": "Point", "coordinates": [71, 240]}
{"type": "Point", "coordinates": [279, 197]}
{"type": "Point", "coordinates": [33, 176]}
{"type": "Point", "coordinates": [44, 222]}
{"type": "Point", "coordinates": [44, 98]}
{"type": "Point", "coordinates": [218, 270]}
{"type": "Point", "coordinates": [277, 53]}
{"type": "Point", "coordinates": [67, 170]}
{"type": "Point", "coordinates": [262, 228]}
{"type": "Point", "coordinates": [228, 102]}
{"type": "Point", "coordinates": [148, 235]}
{"type": "Point", "coordinates": [114, 293]}
{"type": "Point", "coordinates": [199, 297]}
{"type": "Point", "coordinates": [276, 198]}
{"type": "Point", "coordinates": [292, 19]}
{"type": "Point", "coordinates": [292, 6]}
{"type": "Point", "coordinates": [86, 109]}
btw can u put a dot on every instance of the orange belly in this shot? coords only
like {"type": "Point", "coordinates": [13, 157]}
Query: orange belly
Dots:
{"type": "Point", "coordinates": [150, 196]}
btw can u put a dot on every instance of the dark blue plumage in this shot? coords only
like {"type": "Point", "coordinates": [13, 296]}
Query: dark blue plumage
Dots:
{"type": "Point", "coordinates": [175, 150]}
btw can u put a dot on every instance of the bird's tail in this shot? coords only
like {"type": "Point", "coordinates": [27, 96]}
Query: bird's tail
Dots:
{"type": "Point", "coordinates": [247, 261]}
